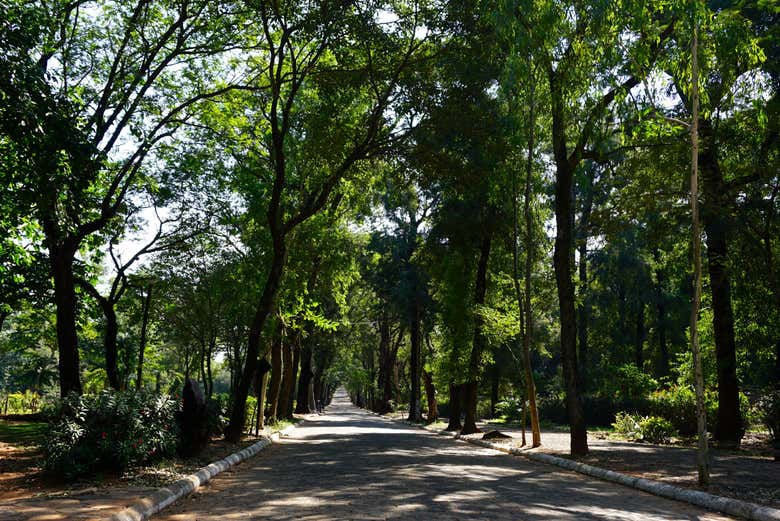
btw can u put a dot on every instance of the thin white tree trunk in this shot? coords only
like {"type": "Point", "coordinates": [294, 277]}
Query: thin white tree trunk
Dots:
{"type": "Point", "coordinates": [701, 411]}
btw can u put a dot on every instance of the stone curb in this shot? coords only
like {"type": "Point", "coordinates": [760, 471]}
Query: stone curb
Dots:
{"type": "Point", "coordinates": [706, 500]}
{"type": "Point", "coordinates": [144, 508]}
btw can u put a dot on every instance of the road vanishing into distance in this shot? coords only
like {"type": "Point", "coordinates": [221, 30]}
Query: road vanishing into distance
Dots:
{"type": "Point", "coordinates": [349, 464]}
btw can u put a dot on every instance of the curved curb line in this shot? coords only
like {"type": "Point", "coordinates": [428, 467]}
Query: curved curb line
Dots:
{"type": "Point", "coordinates": [144, 508]}
{"type": "Point", "coordinates": [706, 500]}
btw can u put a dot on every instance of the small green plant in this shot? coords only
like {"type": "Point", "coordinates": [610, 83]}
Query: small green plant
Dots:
{"type": "Point", "coordinates": [110, 430]}
{"type": "Point", "coordinates": [651, 429]}
{"type": "Point", "coordinates": [656, 430]}
{"type": "Point", "coordinates": [769, 411]}
{"type": "Point", "coordinates": [628, 425]}
{"type": "Point", "coordinates": [20, 403]}
{"type": "Point", "coordinates": [630, 382]}
{"type": "Point", "coordinates": [509, 409]}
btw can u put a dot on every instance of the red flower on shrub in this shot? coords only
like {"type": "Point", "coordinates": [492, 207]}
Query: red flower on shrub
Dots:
{"type": "Point", "coordinates": [104, 435]}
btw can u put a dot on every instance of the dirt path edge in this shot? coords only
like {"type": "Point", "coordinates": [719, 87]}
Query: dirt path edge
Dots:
{"type": "Point", "coordinates": [145, 508]}
{"type": "Point", "coordinates": [735, 507]}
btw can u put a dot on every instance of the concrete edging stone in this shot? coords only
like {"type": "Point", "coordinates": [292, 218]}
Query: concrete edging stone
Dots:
{"type": "Point", "coordinates": [706, 500]}
{"type": "Point", "coordinates": [150, 505]}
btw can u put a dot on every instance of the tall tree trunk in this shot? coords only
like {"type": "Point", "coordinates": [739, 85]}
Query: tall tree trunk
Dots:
{"type": "Point", "coordinates": [310, 396]}
{"type": "Point", "coordinates": [583, 315]}
{"type": "Point", "coordinates": [660, 298]}
{"type": "Point", "coordinates": [478, 345]}
{"type": "Point", "coordinates": [530, 255]}
{"type": "Point", "coordinates": [285, 395]}
{"type": "Point", "coordinates": [701, 411]}
{"type": "Point", "coordinates": [566, 302]}
{"type": "Point", "coordinates": [61, 260]}
{"type": "Point", "coordinates": [456, 397]}
{"type": "Point", "coordinates": [639, 339]}
{"type": "Point", "coordinates": [142, 345]}
{"type": "Point", "coordinates": [260, 425]}
{"type": "Point", "coordinates": [110, 344]}
{"type": "Point", "coordinates": [264, 308]}
{"type": "Point", "coordinates": [583, 310]}
{"type": "Point", "coordinates": [276, 375]}
{"type": "Point", "coordinates": [296, 346]}
{"type": "Point", "coordinates": [302, 403]}
{"type": "Point", "coordinates": [386, 362]}
{"type": "Point", "coordinates": [209, 375]}
{"type": "Point", "coordinates": [415, 365]}
{"type": "Point", "coordinates": [562, 261]}
{"type": "Point", "coordinates": [494, 383]}
{"type": "Point", "coordinates": [715, 217]}
{"type": "Point", "coordinates": [430, 394]}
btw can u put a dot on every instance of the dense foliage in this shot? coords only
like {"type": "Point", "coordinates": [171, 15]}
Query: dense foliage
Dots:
{"type": "Point", "coordinates": [454, 208]}
{"type": "Point", "coordinates": [110, 431]}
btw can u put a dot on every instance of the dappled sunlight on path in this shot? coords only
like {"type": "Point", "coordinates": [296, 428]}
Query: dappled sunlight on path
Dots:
{"type": "Point", "coordinates": [348, 464]}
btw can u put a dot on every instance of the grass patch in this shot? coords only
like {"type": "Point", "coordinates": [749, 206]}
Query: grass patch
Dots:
{"type": "Point", "coordinates": [22, 433]}
{"type": "Point", "coordinates": [280, 425]}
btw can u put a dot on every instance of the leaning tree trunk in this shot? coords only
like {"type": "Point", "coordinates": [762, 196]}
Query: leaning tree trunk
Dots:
{"type": "Point", "coordinates": [530, 246]}
{"type": "Point", "coordinates": [478, 345]}
{"type": "Point", "coordinates": [264, 308]}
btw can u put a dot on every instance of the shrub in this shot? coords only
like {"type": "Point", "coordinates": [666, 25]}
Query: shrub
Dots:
{"type": "Point", "coordinates": [483, 409]}
{"type": "Point", "coordinates": [678, 405]}
{"type": "Point", "coordinates": [631, 383]}
{"type": "Point", "coordinates": [510, 408]}
{"type": "Point", "coordinates": [651, 429]}
{"type": "Point", "coordinates": [111, 430]}
{"type": "Point", "coordinates": [251, 412]}
{"type": "Point", "coordinates": [769, 410]}
{"type": "Point", "coordinates": [599, 410]}
{"type": "Point", "coordinates": [20, 403]}
{"type": "Point", "coordinates": [656, 430]}
{"type": "Point", "coordinates": [627, 425]}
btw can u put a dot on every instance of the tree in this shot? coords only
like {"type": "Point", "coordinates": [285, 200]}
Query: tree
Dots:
{"type": "Point", "coordinates": [306, 49]}
{"type": "Point", "coordinates": [84, 110]}
{"type": "Point", "coordinates": [701, 411]}
{"type": "Point", "coordinates": [572, 43]}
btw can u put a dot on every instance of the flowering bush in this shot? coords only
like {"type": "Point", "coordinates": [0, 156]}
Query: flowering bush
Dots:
{"type": "Point", "coordinates": [111, 430]}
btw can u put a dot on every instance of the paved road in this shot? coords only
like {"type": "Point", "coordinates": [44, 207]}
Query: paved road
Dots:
{"type": "Point", "coordinates": [348, 464]}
